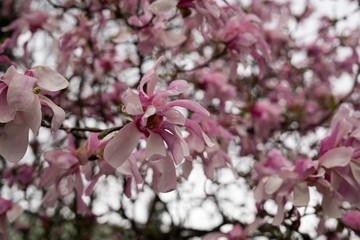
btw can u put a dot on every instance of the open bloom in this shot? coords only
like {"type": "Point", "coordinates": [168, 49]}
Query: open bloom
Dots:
{"type": "Point", "coordinates": [64, 173]}
{"type": "Point", "coordinates": [20, 107]}
{"type": "Point", "coordinates": [157, 119]}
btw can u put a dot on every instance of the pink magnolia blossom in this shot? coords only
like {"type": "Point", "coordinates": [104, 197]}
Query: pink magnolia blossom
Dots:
{"type": "Point", "coordinates": [157, 120]}
{"type": "Point", "coordinates": [66, 167]}
{"type": "Point", "coordinates": [20, 107]}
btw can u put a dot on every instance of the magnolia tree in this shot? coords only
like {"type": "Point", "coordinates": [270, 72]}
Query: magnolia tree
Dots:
{"type": "Point", "coordinates": [179, 119]}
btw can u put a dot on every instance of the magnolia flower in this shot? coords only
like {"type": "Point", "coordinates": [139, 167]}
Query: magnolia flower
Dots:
{"type": "Point", "coordinates": [64, 173]}
{"type": "Point", "coordinates": [20, 107]}
{"type": "Point", "coordinates": [156, 119]}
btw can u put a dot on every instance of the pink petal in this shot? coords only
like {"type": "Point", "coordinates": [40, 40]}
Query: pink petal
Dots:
{"type": "Point", "coordinates": [90, 188]}
{"type": "Point", "coordinates": [273, 184]}
{"type": "Point", "coordinates": [59, 113]}
{"type": "Point", "coordinates": [355, 169]}
{"type": "Point", "coordinates": [79, 189]}
{"type": "Point", "coordinates": [32, 116]}
{"type": "Point", "coordinates": [10, 73]}
{"type": "Point", "coordinates": [150, 78]}
{"type": "Point", "coordinates": [175, 117]}
{"type": "Point", "coordinates": [132, 104]}
{"type": "Point", "coordinates": [171, 38]}
{"type": "Point", "coordinates": [352, 219]}
{"type": "Point", "coordinates": [163, 7]}
{"type": "Point", "coordinates": [13, 141]}
{"type": "Point", "coordinates": [331, 206]}
{"type": "Point", "coordinates": [195, 127]}
{"type": "Point", "coordinates": [279, 217]}
{"type": "Point", "coordinates": [337, 157]}
{"type": "Point", "coordinates": [15, 211]}
{"type": "Point", "coordinates": [186, 169]}
{"type": "Point", "coordinates": [61, 159]}
{"type": "Point", "coordinates": [122, 145]}
{"type": "Point", "coordinates": [20, 93]}
{"type": "Point", "coordinates": [6, 112]}
{"type": "Point", "coordinates": [49, 79]}
{"type": "Point", "coordinates": [164, 179]}
{"type": "Point", "coordinates": [155, 145]}
{"type": "Point", "coordinates": [301, 194]}
{"type": "Point", "coordinates": [259, 192]}
{"type": "Point", "coordinates": [174, 145]}
{"type": "Point", "coordinates": [190, 105]}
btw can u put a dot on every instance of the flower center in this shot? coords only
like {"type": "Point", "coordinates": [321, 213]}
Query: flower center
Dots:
{"type": "Point", "coordinates": [153, 121]}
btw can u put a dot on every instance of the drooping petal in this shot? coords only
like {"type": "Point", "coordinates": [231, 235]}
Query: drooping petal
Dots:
{"type": "Point", "coordinates": [164, 179]}
{"type": "Point", "coordinates": [6, 112]}
{"type": "Point", "coordinates": [20, 93]}
{"type": "Point", "coordinates": [155, 145]}
{"type": "Point", "coordinates": [79, 189]}
{"type": "Point", "coordinates": [122, 145]}
{"type": "Point", "coordinates": [259, 191]}
{"type": "Point", "coordinates": [337, 157]}
{"type": "Point", "coordinates": [190, 105]}
{"type": "Point", "coordinates": [331, 206]}
{"type": "Point", "coordinates": [49, 79]}
{"type": "Point", "coordinates": [273, 184]}
{"type": "Point", "coordinates": [59, 113]}
{"type": "Point", "coordinates": [279, 217]}
{"type": "Point", "coordinates": [32, 116]}
{"type": "Point", "coordinates": [301, 194]}
{"type": "Point", "coordinates": [177, 86]}
{"type": "Point", "coordinates": [13, 141]}
{"type": "Point", "coordinates": [15, 211]}
{"type": "Point", "coordinates": [195, 127]}
{"type": "Point", "coordinates": [175, 146]}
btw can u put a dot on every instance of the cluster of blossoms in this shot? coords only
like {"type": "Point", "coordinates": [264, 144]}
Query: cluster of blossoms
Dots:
{"type": "Point", "coordinates": [251, 83]}
{"type": "Point", "coordinates": [335, 173]}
